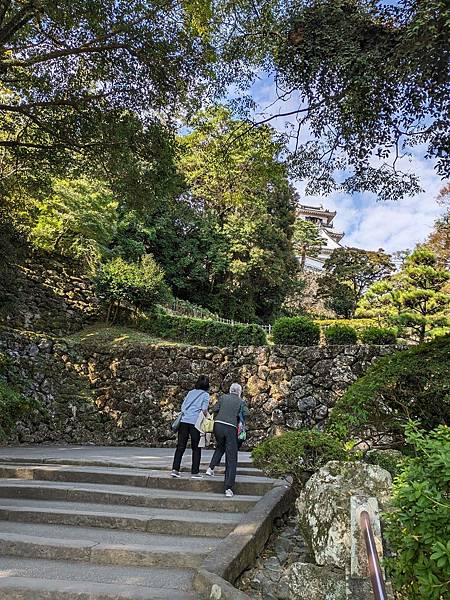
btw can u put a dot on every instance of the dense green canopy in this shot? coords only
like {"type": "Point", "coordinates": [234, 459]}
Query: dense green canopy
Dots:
{"type": "Point", "coordinates": [363, 81]}
{"type": "Point", "coordinates": [98, 84]}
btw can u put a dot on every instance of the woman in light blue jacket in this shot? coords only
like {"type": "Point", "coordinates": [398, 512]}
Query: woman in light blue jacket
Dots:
{"type": "Point", "coordinates": [195, 402]}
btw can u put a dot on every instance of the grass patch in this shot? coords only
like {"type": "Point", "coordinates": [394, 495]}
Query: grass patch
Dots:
{"type": "Point", "coordinates": [116, 336]}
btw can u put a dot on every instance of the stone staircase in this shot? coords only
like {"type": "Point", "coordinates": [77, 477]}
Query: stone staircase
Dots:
{"type": "Point", "coordinates": [90, 532]}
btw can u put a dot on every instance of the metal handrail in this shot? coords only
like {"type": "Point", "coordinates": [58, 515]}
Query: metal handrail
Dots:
{"type": "Point", "coordinates": [376, 575]}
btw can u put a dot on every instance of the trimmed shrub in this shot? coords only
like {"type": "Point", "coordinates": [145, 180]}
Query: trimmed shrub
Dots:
{"type": "Point", "coordinates": [340, 334]}
{"type": "Point", "coordinates": [297, 454]}
{"type": "Point", "coordinates": [410, 384]}
{"type": "Point", "coordinates": [201, 331]}
{"type": "Point", "coordinates": [418, 529]}
{"type": "Point", "coordinates": [296, 331]}
{"type": "Point", "coordinates": [357, 324]}
{"type": "Point", "coordinates": [378, 336]}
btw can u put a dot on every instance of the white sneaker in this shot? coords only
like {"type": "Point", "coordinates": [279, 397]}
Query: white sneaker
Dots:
{"type": "Point", "coordinates": [175, 474]}
{"type": "Point", "coordinates": [229, 493]}
{"type": "Point", "coordinates": [197, 476]}
{"type": "Point", "coordinates": [210, 472]}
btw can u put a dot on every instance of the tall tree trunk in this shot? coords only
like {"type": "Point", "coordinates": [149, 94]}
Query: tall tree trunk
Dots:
{"type": "Point", "coordinates": [422, 333]}
{"type": "Point", "coordinates": [116, 311]}
{"type": "Point", "coordinates": [108, 314]}
{"type": "Point", "coordinates": [303, 258]}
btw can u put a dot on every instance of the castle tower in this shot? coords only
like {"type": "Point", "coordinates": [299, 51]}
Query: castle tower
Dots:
{"type": "Point", "coordinates": [323, 218]}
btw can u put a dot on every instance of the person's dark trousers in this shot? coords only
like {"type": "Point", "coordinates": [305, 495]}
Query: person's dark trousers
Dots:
{"type": "Point", "coordinates": [186, 430]}
{"type": "Point", "coordinates": [217, 457]}
{"type": "Point", "coordinates": [227, 443]}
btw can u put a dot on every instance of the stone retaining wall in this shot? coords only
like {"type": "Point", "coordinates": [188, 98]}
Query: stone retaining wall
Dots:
{"type": "Point", "coordinates": [40, 293]}
{"type": "Point", "coordinates": [130, 395]}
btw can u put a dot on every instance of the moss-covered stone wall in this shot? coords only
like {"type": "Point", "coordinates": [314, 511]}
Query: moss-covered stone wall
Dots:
{"type": "Point", "coordinates": [43, 294]}
{"type": "Point", "coordinates": [96, 392]}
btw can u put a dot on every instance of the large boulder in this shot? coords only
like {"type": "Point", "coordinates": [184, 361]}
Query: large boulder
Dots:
{"type": "Point", "coordinates": [310, 582]}
{"type": "Point", "coordinates": [323, 507]}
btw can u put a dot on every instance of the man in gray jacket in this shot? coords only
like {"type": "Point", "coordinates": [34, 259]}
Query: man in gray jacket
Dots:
{"type": "Point", "coordinates": [225, 430]}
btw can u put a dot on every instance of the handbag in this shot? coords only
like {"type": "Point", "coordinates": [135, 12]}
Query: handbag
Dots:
{"type": "Point", "coordinates": [241, 431]}
{"type": "Point", "coordinates": [208, 425]}
{"type": "Point", "coordinates": [177, 422]}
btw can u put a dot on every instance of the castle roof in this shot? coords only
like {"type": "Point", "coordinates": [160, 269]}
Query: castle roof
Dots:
{"type": "Point", "coordinates": [316, 211]}
{"type": "Point", "coordinates": [336, 235]}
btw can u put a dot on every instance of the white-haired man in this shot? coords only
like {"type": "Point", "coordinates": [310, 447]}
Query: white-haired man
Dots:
{"type": "Point", "coordinates": [225, 431]}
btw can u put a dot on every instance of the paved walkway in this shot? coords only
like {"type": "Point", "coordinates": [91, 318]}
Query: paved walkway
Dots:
{"type": "Point", "coordinates": [108, 523]}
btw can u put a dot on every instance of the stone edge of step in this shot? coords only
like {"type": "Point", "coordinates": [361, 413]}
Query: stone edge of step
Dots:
{"type": "Point", "coordinates": [105, 463]}
{"type": "Point", "coordinates": [247, 484]}
{"type": "Point", "coordinates": [26, 588]}
{"type": "Point", "coordinates": [216, 576]}
{"type": "Point", "coordinates": [138, 497]}
{"type": "Point", "coordinates": [96, 552]}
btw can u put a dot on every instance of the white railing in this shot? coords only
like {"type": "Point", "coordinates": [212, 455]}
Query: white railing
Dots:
{"type": "Point", "coordinates": [180, 309]}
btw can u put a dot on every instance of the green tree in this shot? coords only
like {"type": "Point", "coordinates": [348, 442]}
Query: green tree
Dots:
{"type": "Point", "coordinates": [141, 284]}
{"type": "Point", "coordinates": [414, 298]}
{"type": "Point", "coordinates": [77, 220]}
{"type": "Point", "coordinates": [348, 274]}
{"type": "Point", "coordinates": [244, 213]}
{"type": "Point", "coordinates": [367, 79]}
{"type": "Point", "coordinates": [307, 240]}
{"type": "Point", "coordinates": [90, 81]}
{"type": "Point", "coordinates": [338, 296]}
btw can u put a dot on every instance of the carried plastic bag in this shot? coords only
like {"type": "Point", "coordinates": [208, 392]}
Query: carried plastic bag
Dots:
{"type": "Point", "coordinates": [208, 424]}
{"type": "Point", "coordinates": [241, 431]}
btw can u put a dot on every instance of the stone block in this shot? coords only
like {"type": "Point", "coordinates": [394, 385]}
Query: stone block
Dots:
{"type": "Point", "coordinates": [312, 582]}
{"type": "Point", "coordinates": [323, 507]}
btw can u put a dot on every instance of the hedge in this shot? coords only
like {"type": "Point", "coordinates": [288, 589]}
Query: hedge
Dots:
{"type": "Point", "coordinates": [201, 331]}
{"type": "Point", "coordinates": [355, 323]}
{"type": "Point", "coordinates": [297, 331]}
{"type": "Point", "coordinates": [340, 334]}
{"type": "Point", "coordinates": [378, 335]}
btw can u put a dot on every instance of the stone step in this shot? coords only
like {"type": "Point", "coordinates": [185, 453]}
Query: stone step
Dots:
{"type": "Point", "coordinates": [108, 536]}
{"type": "Point", "coordinates": [59, 580]}
{"type": "Point", "coordinates": [244, 467]}
{"type": "Point", "coordinates": [124, 495]}
{"type": "Point", "coordinates": [245, 485]}
{"type": "Point", "coordinates": [167, 554]}
{"type": "Point", "coordinates": [110, 456]}
{"type": "Point", "coordinates": [151, 520]}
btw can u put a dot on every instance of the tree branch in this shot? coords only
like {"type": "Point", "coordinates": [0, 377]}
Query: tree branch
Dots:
{"type": "Point", "coordinates": [4, 4]}
{"type": "Point", "coordinates": [18, 21]}
{"type": "Point", "coordinates": [61, 53]}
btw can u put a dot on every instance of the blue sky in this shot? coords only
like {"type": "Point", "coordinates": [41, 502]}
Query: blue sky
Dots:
{"type": "Point", "coordinates": [369, 223]}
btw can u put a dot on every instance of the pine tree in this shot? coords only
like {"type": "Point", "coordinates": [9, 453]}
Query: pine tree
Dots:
{"type": "Point", "coordinates": [414, 298]}
{"type": "Point", "coordinates": [307, 240]}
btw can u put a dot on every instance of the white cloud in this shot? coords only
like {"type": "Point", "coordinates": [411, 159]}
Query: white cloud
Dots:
{"type": "Point", "coordinates": [373, 224]}
{"type": "Point", "coordinates": [398, 225]}
{"type": "Point", "coordinates": [369, 223]}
